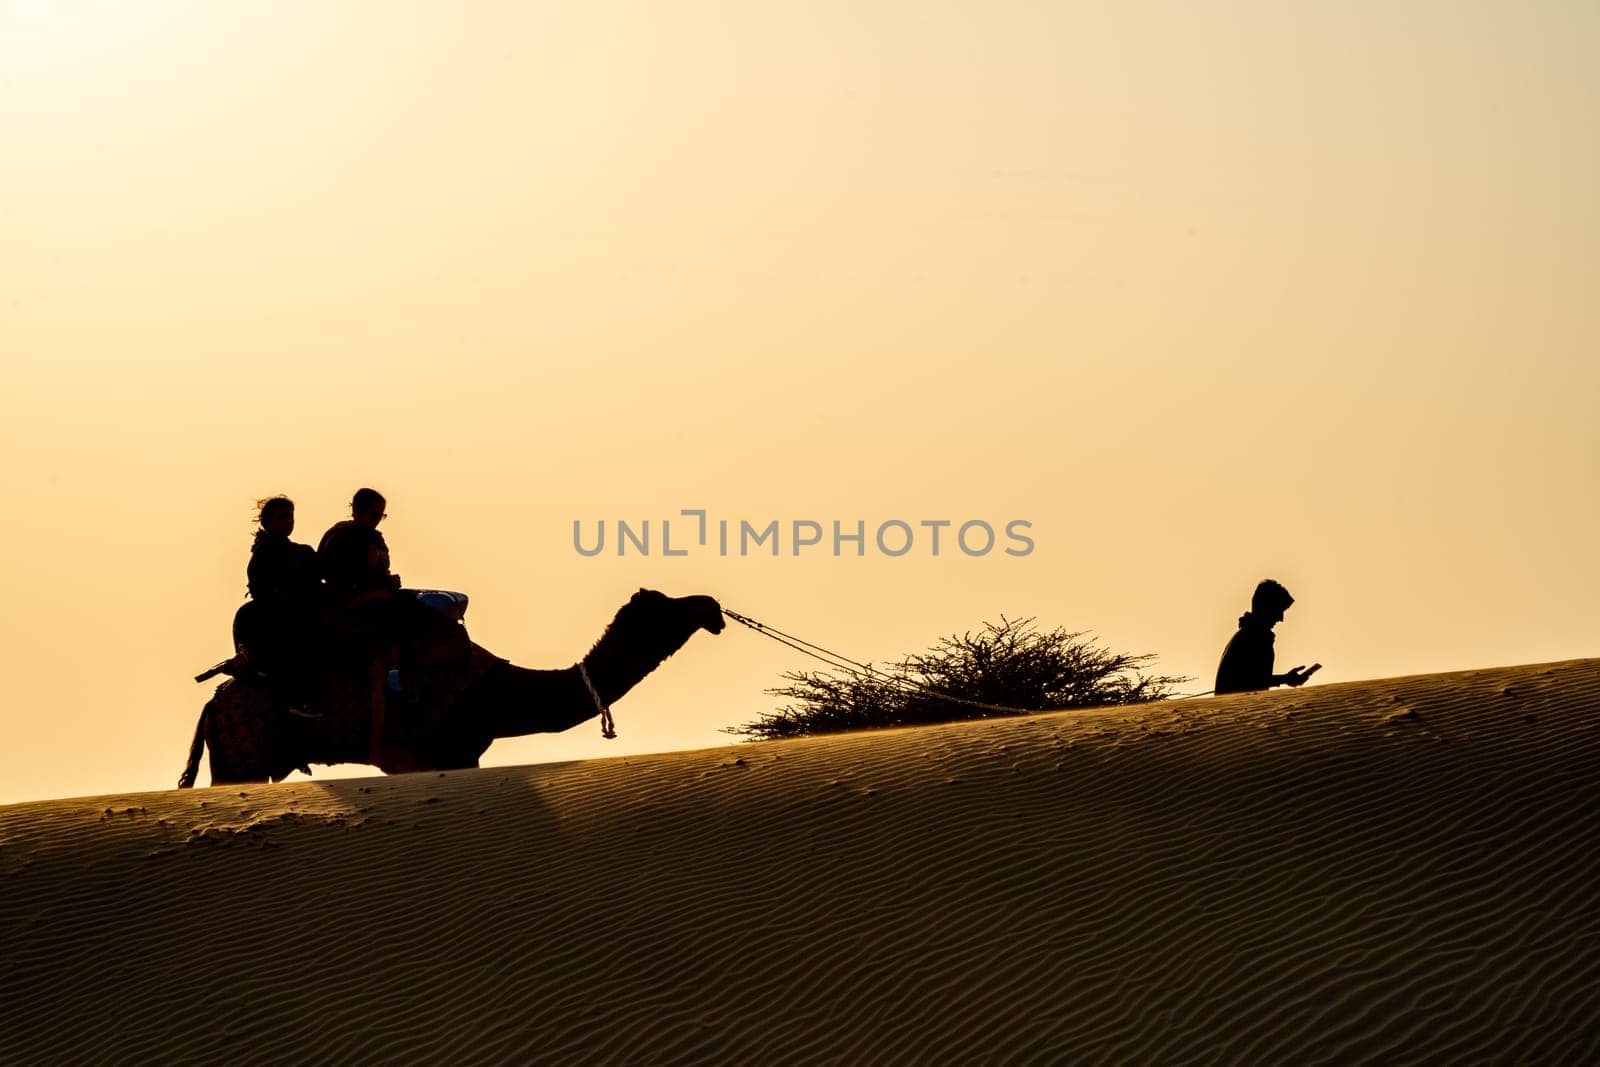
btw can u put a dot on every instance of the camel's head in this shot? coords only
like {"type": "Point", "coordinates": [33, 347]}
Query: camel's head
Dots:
{"type": "Point", "coordinates": [688, 612]}
{"type": "Point", "coordinates": [650, 627]}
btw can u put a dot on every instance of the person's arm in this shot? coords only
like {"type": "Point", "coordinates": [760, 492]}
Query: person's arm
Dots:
{"type": "Point", "coordinates": [386, 576]}
{"type": "Point", "coordinates": [1296, 677]}
{"type": "Point", "coordinates": [1268, 660]}
{"type": "Point", "coordinates": [331, 553]}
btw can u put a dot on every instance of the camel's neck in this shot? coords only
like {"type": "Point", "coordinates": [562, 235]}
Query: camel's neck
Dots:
{"type": "Point", "coordinates": [521, 700]}
{"type": "Point", "coordinates": [518, 700]}
{"type": "Point", "coordinates": [616, 666]}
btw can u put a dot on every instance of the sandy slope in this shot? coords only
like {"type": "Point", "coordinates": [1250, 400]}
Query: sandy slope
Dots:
{"type": "Point", "coordinates": [1384, 870]}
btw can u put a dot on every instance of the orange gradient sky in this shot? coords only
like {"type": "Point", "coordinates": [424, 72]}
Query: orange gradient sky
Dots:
{"type": "Point", "coordinates": [1205, 292]}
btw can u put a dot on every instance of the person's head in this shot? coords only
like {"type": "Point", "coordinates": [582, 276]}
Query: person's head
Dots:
{"type": "Point", "coordinates": [366, 507]}
{"type": "Point", "coordinates": [276, 515]}
{"type": "Point", "coordinates": [1270, 601]}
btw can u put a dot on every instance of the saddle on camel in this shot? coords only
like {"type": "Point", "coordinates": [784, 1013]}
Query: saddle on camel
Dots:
{"type": "Point", "coordinates": [378, 674]}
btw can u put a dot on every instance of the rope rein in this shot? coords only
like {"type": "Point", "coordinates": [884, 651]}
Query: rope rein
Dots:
{"type": "Point", "coordinates": [608, 728]}
{"type": "Point", "coordinates": [844, 663]}
{"type": "Point", "coordinates": [839, 662]}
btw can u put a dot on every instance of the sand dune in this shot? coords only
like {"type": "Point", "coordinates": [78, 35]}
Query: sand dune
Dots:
{"type": "Point", "coordinates": [1393, 870]}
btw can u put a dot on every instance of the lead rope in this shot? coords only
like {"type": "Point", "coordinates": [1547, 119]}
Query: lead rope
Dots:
{"type": "Point", "coordinates": [608, 728]}
{"type": "Point", "coordinates": [841, 662]}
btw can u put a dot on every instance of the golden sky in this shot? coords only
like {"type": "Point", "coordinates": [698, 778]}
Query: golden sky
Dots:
{"type": "Point", "coordinates": [1206, 292]}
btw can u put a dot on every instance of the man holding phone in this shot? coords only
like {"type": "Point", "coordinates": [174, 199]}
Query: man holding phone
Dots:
{"type": "Point", "coordinates": [1247, 661]}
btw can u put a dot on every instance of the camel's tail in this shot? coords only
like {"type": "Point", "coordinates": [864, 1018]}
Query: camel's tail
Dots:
{"type": "Point", "coordinates": [196, 750]}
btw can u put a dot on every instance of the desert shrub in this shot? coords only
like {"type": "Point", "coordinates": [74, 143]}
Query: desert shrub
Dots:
{"type": "Point", "coordinates": [1010, 664]}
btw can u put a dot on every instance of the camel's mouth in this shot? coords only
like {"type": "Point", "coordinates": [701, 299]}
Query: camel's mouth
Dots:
{"type": "Point", "coordinates": [708, 613]}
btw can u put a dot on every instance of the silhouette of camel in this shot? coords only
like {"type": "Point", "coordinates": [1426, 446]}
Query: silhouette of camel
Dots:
{"type": "Point", "coordinates": [458, 698]}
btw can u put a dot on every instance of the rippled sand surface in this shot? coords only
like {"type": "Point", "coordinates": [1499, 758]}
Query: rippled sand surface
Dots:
{"type": "Point", "coordinates": [1386, 871]}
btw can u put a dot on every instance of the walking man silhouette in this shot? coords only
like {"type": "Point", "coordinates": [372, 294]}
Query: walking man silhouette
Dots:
{"type": "Point", "coordinates": [1247, 661]}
